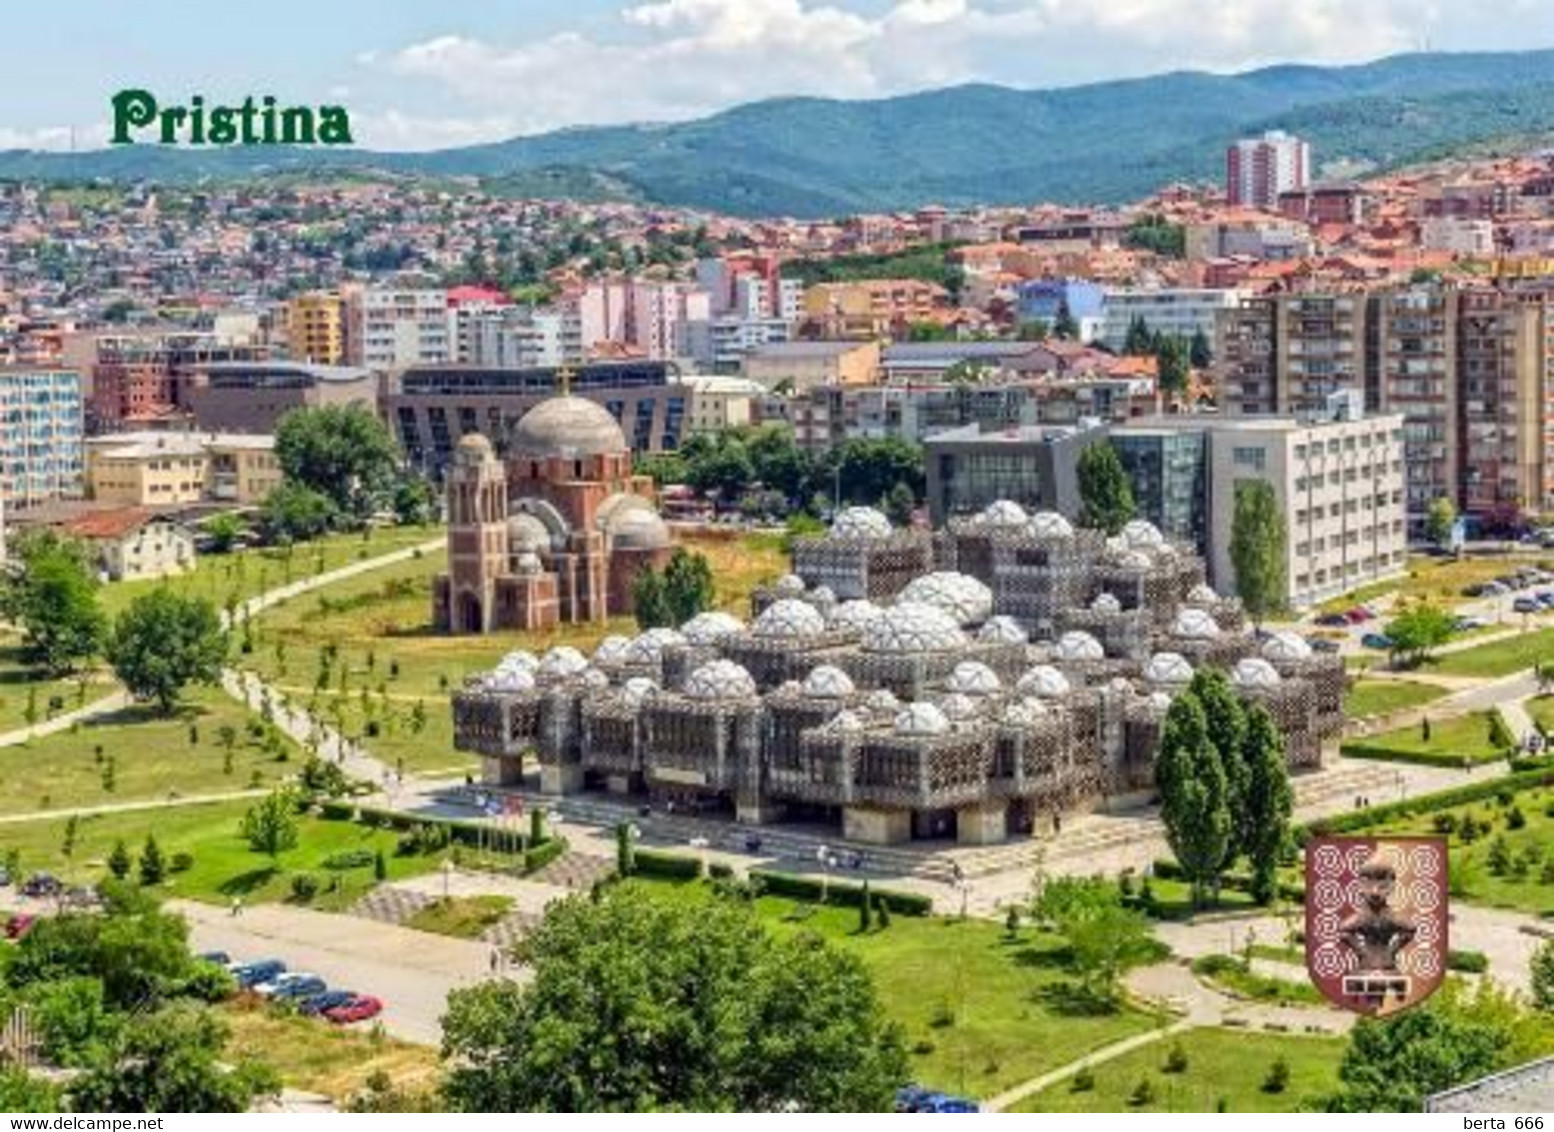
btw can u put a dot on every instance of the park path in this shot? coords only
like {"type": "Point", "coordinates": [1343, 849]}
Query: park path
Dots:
{"type": "Point", "coordinates": [1002, 1101]}
{"type": "Point", "coordinates": [174, 799]}
{"type": "Point", "coordinates": [113, 701]}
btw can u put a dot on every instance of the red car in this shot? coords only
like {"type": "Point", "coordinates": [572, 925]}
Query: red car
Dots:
{"type": "Point", "coordinates": [1358, 615]}
{"type": "Point", "coordinates": [19, 925]}
{"type": "Point", "coordinates": [359, 1009]}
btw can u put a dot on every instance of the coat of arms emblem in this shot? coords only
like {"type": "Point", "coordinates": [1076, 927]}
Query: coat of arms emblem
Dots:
{"type": "Point", "coordinates": [1376, 920]}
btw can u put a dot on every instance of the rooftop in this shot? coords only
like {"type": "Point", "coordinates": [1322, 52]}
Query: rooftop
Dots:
{"type": "Point", "coordinates": [319, 373]}
{"type": "Point", "coordinates": [806, 349]}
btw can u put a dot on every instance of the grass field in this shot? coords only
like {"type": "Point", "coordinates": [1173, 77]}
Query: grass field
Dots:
{"type": "Point", "coordinates": [1440, 580]}
{"type": "Point", "coordinates": [464, 917]}
{"type": "Point", "coordinates": [316, 1057]}
{"type": "Point", "coordinates": [224, 865]}
{"type": "Point", "coordinates": [1381, 697]}
{"type": "Point", "coordinates": [1541, 708]}
{"type": "Point", "coordinates": [1224, 1068]}
{"type": "Point", "coordinates": [1459, 741]}
{"type": "Point", "coordinates": [142, 756]}
{"type": "Point", "coordinates": [21, 685]}
{"type": "Point", "coordinates": [1499, 658]}
{"type": "Point", "coordinates": [981, 1011]}
{"type": "Point", "coordinates": [1230, 973]}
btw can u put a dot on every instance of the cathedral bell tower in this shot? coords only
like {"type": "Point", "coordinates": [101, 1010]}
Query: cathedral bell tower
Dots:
{"type": "Point", "coordinates": [477, 534]}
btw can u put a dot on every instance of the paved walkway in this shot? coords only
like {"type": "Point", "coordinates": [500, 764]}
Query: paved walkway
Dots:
{"type": "Point", "coordinates": [113, 701]}
{"type": "Point", "coordinates": [173, 799]}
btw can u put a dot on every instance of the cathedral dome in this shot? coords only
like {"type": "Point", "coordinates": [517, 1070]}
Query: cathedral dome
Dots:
{"type": "Point", "coordinates": [473, 449]}
{"type": "Point", "coordinates": [526, 532]}
{"type": "Point", "coordinates": [638, 528]}
{"type": "Point", "coordinates": [569, 427]}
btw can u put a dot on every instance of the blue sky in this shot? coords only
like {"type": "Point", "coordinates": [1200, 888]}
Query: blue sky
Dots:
{"type": "Point", "coordinates": [423, 74]}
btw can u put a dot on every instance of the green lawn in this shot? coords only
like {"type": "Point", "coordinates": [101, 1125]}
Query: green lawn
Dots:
{"type": "Point", "coordinates": [1230, 973]}
{"type": "Point", "coordinates": [464, 917]}
{"type": "Point", "coordinates": [1499, 658]}
{"type": "Point", "coordinates": [224, 865]}
{"type": "Point", "coordinates": [244, 574]}
{"type": "Point", "coordinates": [136, 755]}
{"type": "Point", "coordinates": [1459, 741]}
{"type": "Point", "coordinates": [22, 685]}
{"type": "Point", "coordinates": [1380, 697]}
{"type": "Point", "coordinates": [1541, 708]}
{"type": "Point", "coordinates": [1223, 1065]}
{"type": "Point", "coordinates": [1528, 885]}
{"type": "Point", "coordinates": [314, 1056]}
{"type": "Point", "coordinates": [982, 1012]}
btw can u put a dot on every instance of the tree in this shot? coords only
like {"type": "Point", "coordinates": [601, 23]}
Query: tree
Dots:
{"type": "Point", "coordinates": [170, 1061]}
{"type": "Point", "coordinates": [899, 504]}
{"type": "Point", "coordinates": [1541, 967]}
{"type": "Point", "coordinates": [688, 586]}
{"type": "Point", "coordinates": [270, 825]}
{"type": "Point", "coordinates": [51, 592]}
{"type": "Point", "coordinates": [727, 469]}
{"type": "Point", "coordinates": [414, 501]}
{"type": "Point", "coordinates": [223, 531]}
{"type": "Point", "coordinates": [1064, 325]}
{"type": "Point", "coordinates": [1104, 491]}
{"type": "Point", "coordinates": [1033, 330]}
{"type": "Point", "coordinates": [22, 1092]}
{"type": "Point", "coordinates": [294, 513]}
{"type": "Point", "coordinates": [119, 860]}
{"type": "Point", "coordinates": [1199, 352]}
{"type": "Point", "coordinates": [1226, 722]}
{"type": "Point", "coordinates": [1193, 794]}
{"type": "Point", "coordinates": [866, 470]}
{"type": "Point", "coordinates": [1257, 549]}
{"type": "Point", "coordinates": [1417, 632]}
{"type": "Point", "coordinates": [153, 866]}
{"type": "Point", "coordinates": [1172, 365]}
{"type": "Point", "coordinates": [1104, 937]}
{"type": "Point", "coordinates": [343, 452]}
{"type": "Point", "coordinates": [638, 1002]}
{"type": "Point", "coordinates": [1440, 520]}
{"type": "Point", "coordinates": [648, 603]}
{"type": "Point", "coordinates": [1139, 341]}
{"type": "Point", "coordinates": [1268, 802]}
{"type": "Point", "coordinates": [164, 642]}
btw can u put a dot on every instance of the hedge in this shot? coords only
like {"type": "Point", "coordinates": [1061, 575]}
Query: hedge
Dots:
{"type": "Point", "coordinates": [1470, 962]}
{"type": "Point", "coordinates": [849, 895]}
{"type": "Point", "coordinates": [1382, 754]}
{"type": "Point", "coordinates": [337, 811]}
{"type": "Point", "coordinates": [666, 865]}
{"type": "Point", "coordinates": [543, 854]}
{"type": "Point", "coordinates": [470, 834]}
{"type": "Point", "coordinates": [1425, 803]}
{"type": "Point", "coordinates": [1167, 869]}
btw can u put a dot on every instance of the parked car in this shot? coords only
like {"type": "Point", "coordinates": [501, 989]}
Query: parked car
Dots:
{"type": "Point", "coordinates": [1360, 614]}
{"type": "Point", "coordinates": [219, 958]}
{"type": "Point", "coordinates": [1527, 605]}
{"type": "Point", "coordinates": [1464, 624]}
{"type": "Point", "coordinates": [294, 987]}
{"type": "Point", "coordinates": [277, 987]}
{"type": "Point", "coordinates": [1545, 598]}
{"type": "Point", "coordinates": [1333, 620]}
{"type": "Point", "coordinates": [915, 1098]}
{"type": "Point", "coordinates": [359, 1009]}
{"type": "Point", "coordinates": [19, 925]}
{"type": "Point", "coordinates": [1378, 641]}
{"type": "Point", "coordinates": [1322, 644]}
{"type": "Point", "coordinates": [42, 884]}
{"type": "Point", "coordinates": [326, 1000]}
{"type": "Point", "coordinates": [1494, 589]}
{"type": "Point", "coordinates": [250, 975]}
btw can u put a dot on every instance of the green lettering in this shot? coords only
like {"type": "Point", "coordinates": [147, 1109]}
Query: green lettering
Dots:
{"type": "Point", "coordinates": [131, 108]}
{"type": "Point", "coordinates": [223, 130]}
{"type": "Point", "coordinates": [172, 118]}
{"type": "Point", "coordinates": [334, 125]}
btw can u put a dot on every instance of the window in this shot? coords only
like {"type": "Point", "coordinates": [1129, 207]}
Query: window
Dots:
{"type": "Point", "coordinates": [1250, 458]}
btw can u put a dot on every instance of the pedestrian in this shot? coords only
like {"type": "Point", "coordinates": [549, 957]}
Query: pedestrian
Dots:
{"type": "Point", "coordinates": [496, 959]}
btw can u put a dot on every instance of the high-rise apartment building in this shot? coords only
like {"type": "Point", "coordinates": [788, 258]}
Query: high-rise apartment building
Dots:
{"type": "Point", "coordinates": [40, 434]}
{"type": "Point", "coordinates": [315, 328]}
{"type": "Point", "coordinates": [142, 378]}
{"type": "Point", "coordinates": [1258, 169]}
{"type": "Point", "coordinates": [389, 328]}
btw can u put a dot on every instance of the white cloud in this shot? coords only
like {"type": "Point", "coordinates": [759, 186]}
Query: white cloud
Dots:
{"type": "Point", "coordinates": [57, 138]}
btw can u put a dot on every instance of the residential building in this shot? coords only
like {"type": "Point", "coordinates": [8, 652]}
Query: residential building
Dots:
{"type": "Point", "coordinates": [253, 396]}
{"type": "Point", "coordinates": [517, 337]}
{"type": "Point", "coordinates": [141, 378]}
{"type": "Point", "coordinates": [644, 314]}
{"type": "Point", "coordinates": [1460, 236]}
{"type": "Point", "coordinates": [40, 435]}
{"type": "Point", "coordinates": [429, 408]}
{"type": "Point", "coordinates": [1042, 300]}
{"type": "Point", "coordinates": [826, 416]}
{"type": "Point", "coordinates": [1411, 369]}
{"type": "Point", "coordinates": [1286, 354]}
{"type": "Point", "coordinates": [170, 469]}
{"type": "Point", "coordinates": [1503, 370]}
{"type": "Point", "coordinates": [1258, 170]}
{"type": "Point", "coordinates": [803, 365]}
{"type": "Point", "coordinates": [389, 328]}
{"type": "Point", "coordinates": [719, 344]}
{"type": "Point", "coordinates": [871, 308]}
{"type": "Point", "coordinates": [916, 362]}
{"type": "Point", "coordinates": [1332, 202]}
{"type": "Point", "coordinates": [315, 328]}
{"type": "Point", "coordinates": [126, 543]}
{"type": "Point", "coordinates": [718, 402]}
{"type": "Point", "coordinates": [1035, 466]}
{"type": "Point", "coordinates": [1179, 312]}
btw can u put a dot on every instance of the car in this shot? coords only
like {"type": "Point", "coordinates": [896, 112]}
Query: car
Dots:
{"type": "Point", "coordinates": [1465, 624]}
{"type": "Point", "coordinates": [294, 987]}
{"type": "Point", "coordinates": [1322, 644]}
{"type": "Point", "coordinates": [1359, 613]}
{"type": "Point", "coordinates": [1494, 589]}
{"type": "Point", "coordinates": [1377, 641]}
{"type": "Point", "coordinates": [1333, 620]}
{"type": "Point", "coordinates": [1527, 605]}
{"type": "Point", "coordinates": [915, 1098]}
{"type": "Point", "coordinates": [326, 1000]}
{"type": "Point", "coordinates": [359, 1009]}
{"type": "Point", "coordinates": [219, 958]}
{"type": "Point", "coordinates": [19, 925]}
{"type": "Point", "coordinates": [42, 884]}
{"type": "Point", "coordinates": [250, 975]}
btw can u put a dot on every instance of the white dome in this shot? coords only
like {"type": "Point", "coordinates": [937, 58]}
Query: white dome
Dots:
{"type": "Point", "coordinates": [921, 718]}
{"type": "Point", "coordinates": [1134, 560]}
{"type": "Point", "coordinates": [562, 660]}
{"type": "Point", "coordinates": [1004, 631]}
{"type": "Point", "coordinates": [860, 522]}
{"type": "Point", "coordinates": [958, 707]}
{"type": "Point", "coordinates": [854, 616]}
{"type": "Point", "coordinates": [789, 617]}
{"type": "Point", "coordinates": [1025, 713]}
{"type": "Point", "coordinates": [1106, 603]}
{"type": "Point", "coordinates": [973, 678]}
{"type": "Point", "coordinates": [1254, 672]}
{"type": "Point", "coordinates": [648, 647]}
{"type": "Point", "coordinates": [843, 723]}
{"type": "Point", "coordinates": [827, 682]}
{"type": "Point", "coordinates": [637, 688]}
{"type": "Point", "coordinates": [960, 595]}
{"type": "Point", "coordinates": [519, 658]}
{"type": "Point", "coordinates": [1003, 513]}
{"type": "Point", "coordinates": [1196, 625]}
{"type": "Point", "coordinates": [822, 596]}
{"type": "Point", "coordinates": [594, 678]}
{"type": "Point", "coordinates": [912, 627]}
{"type": "Point", "coordinates": [882, 701]}
{"type": "Point", "coordinates": [508, 680]}
{"type": "Point", "coordinates": [1159, 701]}
{"type": "Point", "coordinates": [529, 563]}
{"type": "Point", "coordinates": [1168, 668]}
{"type": "Point", "coordinates": [612, 650]}
{"type": "Point", "coordinates": [1141, 534]}
{"type": "Point", "coordinates": [720, 680]}
{"type": "Point", "coordinates": [711, 627]}
{"type": "Point", "coordinates": [789, 585]}
{"type": "Point", "coordinates": [1044, 681]}
{"type": "Point", "coordinates": [526, 532]}
{"type": "Point", "coordinates": [1285, 645]}
{"type": "Point", "coordinates": [1202, 594]}
{"type": "Point", "coordinates": [1050, 525]}
{"type": "Point", "coordinates": [1076, 646]}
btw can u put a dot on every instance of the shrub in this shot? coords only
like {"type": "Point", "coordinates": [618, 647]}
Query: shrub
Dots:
{"type": "Point", "coordinates": [209, 983]}
{"type": "Point", "coordinates": [847, 895]}
{"type": "Point", "coordinates": [1278, 1078]}
{"type": "Point", "coordinates": [541, 855]}
{"type": "Point", "coordinates": [667, 865]}
{"type": "Point", "coordinates": [336, 811]}
{"type": "Point", "coordinates": [349, 859]}
{"type": "Point", "coordinates": [942, 1016]}
{"type": "Point", "coordinates": [1445, 824]}
{"type": "Point", "coordinates": [304, 887]}
{"type": "Point", "coordinates": [1084, 1080]}
{"type": "Point", "coordinates": [1176, 1060]}
{"type": "Point", "coordinates": [923, 1047]}
{"type": "Point", "coordinates": [1427, 803]}
{"type": "Point", "coordinates": [1468, 962]}
{"type": "Point", "coordinates": [1514, 818]}
{"type": "Point", "coordinates": [1143, 1093]}
{"type": "Point", "coordinates": [180, 862]}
